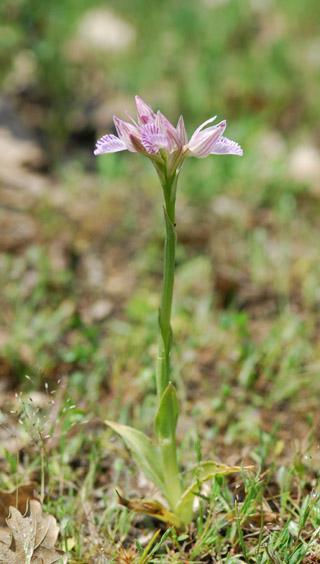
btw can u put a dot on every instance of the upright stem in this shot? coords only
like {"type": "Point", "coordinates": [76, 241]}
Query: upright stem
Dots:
{"type": "Point", "coordinates": [166, 434]}
{"type": "Point", "coordinates": [165, 331]}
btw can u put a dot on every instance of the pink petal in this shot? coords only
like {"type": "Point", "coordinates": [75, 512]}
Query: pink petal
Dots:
{"type": "Point", "coordinates": [109, 144]}
{"type": "Point", "coordinates": [173, 141]}
{"type": "Point", "coordinates": [181, 130]}
{"type": "Point", "coordinates": [225, 146]}
{"type": "Point", "coordinates": [144, 112]}
{"type": "Point", "coordinates": [152, 139]}
{"type": "Point", "coordinates": [203, 124]}
{"type": "Point", "coordinates": [202, 143]}
{"type": "Point", "coordinates": [125, 131]}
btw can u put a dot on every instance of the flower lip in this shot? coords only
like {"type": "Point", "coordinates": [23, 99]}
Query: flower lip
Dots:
{"type": "Point", "coordinates": [109, 144]}
{"type": "Point", "coordinates": [225, 146]}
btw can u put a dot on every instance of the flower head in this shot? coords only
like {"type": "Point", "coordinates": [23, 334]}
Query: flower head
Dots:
{"type": "Point", "coordinates": [167, 146]}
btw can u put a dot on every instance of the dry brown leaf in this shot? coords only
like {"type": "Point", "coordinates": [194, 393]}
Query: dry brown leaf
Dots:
{"type": "Point", "coordinates": [150, 507]}
{"type": "Point", "coordinates": [5, 535]}
{"type": "Point", "coordinates": [33, 537]}
{"type": "Point", "coordinates": [17, 498]}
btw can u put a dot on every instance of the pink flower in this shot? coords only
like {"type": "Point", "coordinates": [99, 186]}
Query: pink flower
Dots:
{"type": "Point", "coordinates": [167, 146]}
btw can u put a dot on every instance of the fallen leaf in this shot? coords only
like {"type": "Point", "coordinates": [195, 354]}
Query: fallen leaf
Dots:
{"type": "Point", "coordinates": [33, 537]}
{"type": "Point", "coordinates": [17, 498]}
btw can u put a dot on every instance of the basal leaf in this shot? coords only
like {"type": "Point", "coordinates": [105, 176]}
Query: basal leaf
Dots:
{"type": "Point", "coordinates": [145, 454]}
{"type": "Point", "coordinates": [152, 508]}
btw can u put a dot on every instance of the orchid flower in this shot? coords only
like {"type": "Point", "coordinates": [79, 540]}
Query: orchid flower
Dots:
{"type": "Point", "coordinates": [167, 147]}
{"type": "Point", "coordinates": [155, 137]}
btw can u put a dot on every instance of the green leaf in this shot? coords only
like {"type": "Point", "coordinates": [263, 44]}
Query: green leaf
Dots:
{"type": "Point", "coordinates": [145, 454]}
{"type": "Point", "coordinates": [202, 473]}
{"type": "Point", "coordinates": [167, 417]}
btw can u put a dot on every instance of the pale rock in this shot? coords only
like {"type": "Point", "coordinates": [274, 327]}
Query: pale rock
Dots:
{"type": "Point", "coordinates": [100, 310]}
{"type": "Point", "coordinates": [100, 30]}
{"type": "Point", "coordinates": [304, 165]}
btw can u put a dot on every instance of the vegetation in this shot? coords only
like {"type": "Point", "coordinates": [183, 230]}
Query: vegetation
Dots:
{"type": "Point", "coordinates": [81, 263]}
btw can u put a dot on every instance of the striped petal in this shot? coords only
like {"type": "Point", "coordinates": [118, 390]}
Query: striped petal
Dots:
{"type": "Point", "coordinates": [202, 143]}
{"type": "Point", "coordinates": [225, 146]}
{"type": "Point", "coordinates": [173, 141]}
{"type": "Point", "coordinates": [144, 112]}
{"type": "Point", "coordinates": [152, 139]}
{"type": "Point", "coordinates": [125, 131]}
{"type": "Point", "coordinates": [181, 130]}
{"type": "Point", "coordinates": [203, 125]}
{"type": "Point", "coordinates": [109, 144]}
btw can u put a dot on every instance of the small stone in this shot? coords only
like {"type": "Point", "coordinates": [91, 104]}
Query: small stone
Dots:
{"type": "Point", "coordinates": [100, 30]}
{"type": "Point", "coordinates": [100, 310]}
{"type": "Point", "coordinates": [304, 165]}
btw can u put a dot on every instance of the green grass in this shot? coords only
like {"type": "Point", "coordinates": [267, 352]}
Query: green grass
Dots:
{"type": "Point", "coordinates": [245, 320]}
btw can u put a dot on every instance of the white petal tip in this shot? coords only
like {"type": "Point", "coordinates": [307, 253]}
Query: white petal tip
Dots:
{"type": "Point", "coordinates": [109, 144]}
{"type": "Point", "coordinates": [225, 146]}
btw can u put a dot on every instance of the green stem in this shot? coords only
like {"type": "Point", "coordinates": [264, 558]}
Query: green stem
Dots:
{"type": "Point", "coordinates": [167, 440]}
{"type": "Point", "coordinates": [165, 332]}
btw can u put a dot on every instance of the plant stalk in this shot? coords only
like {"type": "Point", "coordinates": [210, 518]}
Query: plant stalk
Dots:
{"type": "Point", "coordinates": [167, 444]}
{"type": "Point", "coordinates": [165, 331]}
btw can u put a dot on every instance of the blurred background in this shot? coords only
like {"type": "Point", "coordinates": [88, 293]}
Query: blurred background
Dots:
{"type": "Point", "coordinates": [82, 237]}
